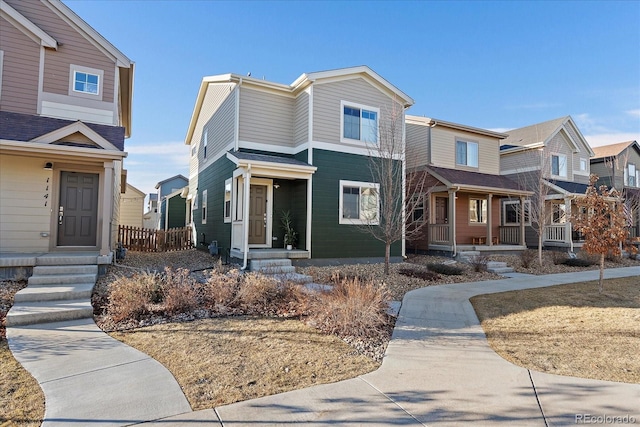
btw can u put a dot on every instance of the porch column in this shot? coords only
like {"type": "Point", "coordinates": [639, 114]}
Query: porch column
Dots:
{"type": "Point", "coordinates": [309, 212]}
{"type": "Point", "coordinates": [522, 221]}
{"type": "Point", "coordinates": [452, 218]}
{"type": "Point", "coordinates": [568, 226]}
{"type": "Point", "coordinates": [107, 209]}
{"type": "Point", "coordinates": [489, 211]}
{"type": "Point", "coordinates": [245, 217]}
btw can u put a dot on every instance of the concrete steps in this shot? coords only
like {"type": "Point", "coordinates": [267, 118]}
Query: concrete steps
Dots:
{"type": "Point", "coordinates": [498, 267]}
{"type": "Point", "coordinates": [59, 289]}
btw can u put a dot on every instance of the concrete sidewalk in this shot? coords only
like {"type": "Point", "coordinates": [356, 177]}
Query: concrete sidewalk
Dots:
{"type": "Point", "coordinates": [440, 370]}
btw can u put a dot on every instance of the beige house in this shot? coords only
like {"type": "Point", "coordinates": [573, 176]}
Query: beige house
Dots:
{"type": "Point", "coordinates": [65, 111]}
{"type": "Point", "coordinates": [131, 207]}
{"type": "Point", "coordinates": [552, 159]}
{"type": "Point", "coordinates": [469, 205]}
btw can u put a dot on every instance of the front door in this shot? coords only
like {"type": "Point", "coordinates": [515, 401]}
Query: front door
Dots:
{"type": "Point", "coordinates": [78, 209]}
{"type": "Point", "coordinates": [258, 214]}
{"type": "Point", "coordinates": [442, 210]}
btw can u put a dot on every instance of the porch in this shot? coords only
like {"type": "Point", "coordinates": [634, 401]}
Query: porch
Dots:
{"type": "Point", "coordinates": [273, 253]}
{"type": "Point", "coordinates": [509, 239]}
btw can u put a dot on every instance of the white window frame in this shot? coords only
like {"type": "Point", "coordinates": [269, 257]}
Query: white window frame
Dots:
{"type": "Point", "coordinates": [204, 206]}
{"type": "Point", "coordinates": [484, 212]}
{"type": "Point", "coordinates": [562, 213]}
{"type": "Point", "coordinates": [562, 165]}
{"type": "Point", "coordinates": [361, 107]}
{"type": "Point", "coordinates": [73, 69]}
{"type": "Point", "coordinates": [205, 138]}
{"type": "Point", "coordinates": [468, 143]}
{"type": "Point", "coordinates": [361, 186]}
{"type": "Point", "coordinates": [1, 68]}
{"type": "Point", "coordinates": [527, 209]}
{"type": "Point", "coordinates": [583, 165]}
{"type": "Point", "coordinates": [226, 205]}
{"type": "Point", "coordinates": [633, 175]}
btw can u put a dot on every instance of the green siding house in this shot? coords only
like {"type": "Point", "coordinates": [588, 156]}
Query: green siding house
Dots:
{"type": "Point", "coordinates": [260, 148]}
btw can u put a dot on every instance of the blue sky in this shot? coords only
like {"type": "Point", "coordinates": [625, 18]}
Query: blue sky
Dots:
{"type": "Point", "coordinates": [494, 65]}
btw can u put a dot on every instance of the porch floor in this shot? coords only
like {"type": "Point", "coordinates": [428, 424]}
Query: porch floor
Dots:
{"type": "Point", "coordinates": [271, 253]}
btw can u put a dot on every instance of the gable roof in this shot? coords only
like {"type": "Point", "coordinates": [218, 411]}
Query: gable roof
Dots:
{"type": "Point", "coordinates": [135, 190]}
{"type": "Point", "coordinates": [539, 134]}
{"type": "Point", "coordinates": [179, 176]}
{"type": "Point", "coordinates": [567, 187]}
{"type": "Point", "coordinates": [476, 180]}
{"type": "Point", "coordinates": [612, 150]}
{"type": "Point", "coordinates": [431, 122]}
{"type": "Point", "coordinates": [294, 88]}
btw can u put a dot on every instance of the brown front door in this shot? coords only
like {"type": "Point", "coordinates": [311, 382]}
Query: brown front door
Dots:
{"type": "Point", "coordinates": [442, 210]}
{"type": "Point", "coordinates": [78, 209]}
{"type": "Point", "coordinates": [258, 214]}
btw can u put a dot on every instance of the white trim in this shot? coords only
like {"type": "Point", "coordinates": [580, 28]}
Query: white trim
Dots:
{"type": "Point", "coordinates": [1, 68]}
{"type": "Point", "coordinates": [467, 142]}
{"type": "Point", "coordinates": [272, 148]}
{"type": "Point", "coordinates": [75, 112]}
{"type": "Point", "coordinates": [361, 107]}
{"type": "Point", "coordinates": [204, 211]}
{"type": "Point", "coordinates": [269, 229]}
{"type": "Point", "coordinates": [73, 69]}
{"type": "Point", "coordinates": [57, 134]}
{"type": "Point", "coordinates": [520, 170]}
{"type": "Point", "coordinates": [515, 202]}
{"type": "Point", "coordinates": [566, 166]}
{"type": "Point", "coordinates": [202, 165]}
{"type": "Point", "coordinates": [227, 182]}
{"type": "Point", "coordinates": [360, 185]}
{"type": "Point", "coordinates": [23, 24]}
{"type": "Point", "coordinates": [310, 131]}
{"type": "Point", "coordinates": [586, 165]}
{"type": "Point", "coordinates": [236, 125]}
{"type": "Point", "coordinates": [40, 81]}
{"type": "Point", "coordinates": [309, 213]}
{"type": "Point", "coordinates": [486, 213]}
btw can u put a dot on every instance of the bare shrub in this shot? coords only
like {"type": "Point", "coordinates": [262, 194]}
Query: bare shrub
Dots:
{"type": "Point", "coordinates": [479, 263]}
{"type": "Point", "coordinates": [264, 295]}
{"type": "Point", "coordinates": [527, 257]}
{"type": "Point", "coordinates": [178, 290]}
{"type": "Point", "coordinates": [558, 257]}
{"type": "Point", "coordinates": [419, 273]}
{"type": "Point", "coordinates": [351, 309]}
{"type": "Point", "coordinates": [220, 290]}
{"type": "Point", "coordinates": [129, 297]}
{"type": "Point", "coordinates": [446, 269]}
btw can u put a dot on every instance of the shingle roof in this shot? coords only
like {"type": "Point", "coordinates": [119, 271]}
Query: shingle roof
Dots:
{"type": "Point", "coordinates": [570, 187]}
{"type": "Point", "coordinates": [611, 149]}
{"type": "Point", "coordinates": [25, 127]}
{"type": "Point", "coordinates": [241, 155]}
{"type": "Point", "coordinates": [538, 132]}
{"type": "Point", "coordinates": [465, 178]}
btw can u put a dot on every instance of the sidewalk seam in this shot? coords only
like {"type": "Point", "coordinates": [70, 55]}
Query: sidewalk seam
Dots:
{"type": "Point", "coordinates": [97, 370]}
{"type": "Point", "coordinates": [393, 401]}
{"type": "Point", "coordinates": [535, 392]}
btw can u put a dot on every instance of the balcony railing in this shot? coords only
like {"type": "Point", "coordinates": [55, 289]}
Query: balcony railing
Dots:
{"type": "Point", "coordinates": [439, 233]}
{"type": "Point", "coordinates": [509, 234]}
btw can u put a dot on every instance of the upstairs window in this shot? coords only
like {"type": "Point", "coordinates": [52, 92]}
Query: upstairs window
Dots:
{"type": "Point", "coordinates": [359, 123]}
{"type": "Point", "coordinates": [632, 179]}
{"type": "Point", "coordinates": [583, 165]}
{"type": "Point", "coordinates": [86, 83]}
{"type": "Point", "coordinates": [467, 153]}
{"type": "Point", "coordinates": [559, 165]}
{"type": "Point", "coordinates": [227, 200]}
{"type": "Point", "coordinates": [205, 138]}
{"type": "Point", "coordinates": [359, 203]}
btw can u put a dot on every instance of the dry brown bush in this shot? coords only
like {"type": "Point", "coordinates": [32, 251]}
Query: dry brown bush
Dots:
{"type": "Point", "coordinates": [351, 309]}
{"type": "Point", "coordinates": [130, 297]}
{"type": "Point", "coordinates": [220, 289]}
{"type": "Point", "coordinates": [264, 295]}
{"type": "Point", "coordinates": [179, 293]}
{"type": "Point", "coordinates": [527, 257]}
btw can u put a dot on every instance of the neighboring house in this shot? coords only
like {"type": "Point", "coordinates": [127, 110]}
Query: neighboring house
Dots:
{"type": "Point", "coordinates": [618, 166]}
{"type": "Point", "coordinates": [552, 156]}
{"type": "Point", "coordinates": [259, 148]}
{"type": "Point", "coordinates": [65, 111]}
{"type": "Point", "coordinates": [131, 206]}
{"type": "Point", "coordinates": [172, 211]}
{"type": "Point", "coordinates": [468, 205]}
{"type": "Point", "coordinates": [150, 217]}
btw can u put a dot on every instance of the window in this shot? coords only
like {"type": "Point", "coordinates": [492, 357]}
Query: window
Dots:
{"type": "Point", "coordinates": [204, 206]}
{"type": "Point", "coordinates": [558, 213]}
{"type": "Point", "coordinates": [467, 153]}
{"type": "Point", "coordinates": [559, 165]}
{"type": "Point", "coordinates": [631, 173]}
{"type": "Point", "coordinates": [359, 123]}
{"type": "Point", "coordinates": [583, 165]}
{"type": "Point", "coordinates": [1, 67]}
{"type": "Point", "coordinates": [511, 212]}
{"type": "Point", "coordinates": [478, 211]}
{"type": "Point", "coordinates": [227, 200]}
{"type": "Point", "coordinates": [194, 150]}
{"type": "Point", "coordinates": [205, 138]}
{"type": "Point", "coordinates": [86, 83]}
{"type": "Point", "coordinates": [418, 208]}
{"type": "Point", "coordinates": [359, 203]}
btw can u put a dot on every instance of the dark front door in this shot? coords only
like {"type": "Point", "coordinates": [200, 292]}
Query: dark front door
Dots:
{"type": "Point", "coordinates": [78, 209]}
{"type": "Point", "coordinates": [442, 210]}
{"type": "Point", "coordinates": [258, 214]}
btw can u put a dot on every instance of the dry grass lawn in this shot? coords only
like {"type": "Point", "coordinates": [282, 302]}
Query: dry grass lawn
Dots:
{"type": "Point", "coordinates": [568, 329]}
{"type": "Point", "coordinates": [226, 360]}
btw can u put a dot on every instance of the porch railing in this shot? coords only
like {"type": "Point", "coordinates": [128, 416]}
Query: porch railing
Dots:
{"type": "Point", "coordinates": [439, 233]}
{"type": "Point", "coordinates": [557, 232]}
{"type": "Point", "coordinates": [509, 234]}
{"type": "Point", "coordinates": [149, 240]}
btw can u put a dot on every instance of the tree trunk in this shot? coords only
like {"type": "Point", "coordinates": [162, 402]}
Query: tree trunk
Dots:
{"type": "Point", "coordinates": [601, 272]}
{"type": "Point", "coordinates": [540, 247]}
{"type": "Point", "coordinates": [387, 257]}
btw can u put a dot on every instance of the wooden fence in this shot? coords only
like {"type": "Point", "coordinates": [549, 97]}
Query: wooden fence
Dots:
{"type": "Point", "coordinates": [148, 240]}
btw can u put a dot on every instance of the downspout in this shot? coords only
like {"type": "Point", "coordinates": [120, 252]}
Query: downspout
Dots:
{"type": "Point", "coordinates": [404, 185]}
{"type": "Point", "coordinates": [245, 218]}
{"type": "Point", "coordinates": [453, 223]}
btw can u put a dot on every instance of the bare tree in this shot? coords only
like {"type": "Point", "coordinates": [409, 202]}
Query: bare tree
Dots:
{"type": "Point", "coordinates": [603, 222]}
{"type": "Point", "coordinates": [399, 195]}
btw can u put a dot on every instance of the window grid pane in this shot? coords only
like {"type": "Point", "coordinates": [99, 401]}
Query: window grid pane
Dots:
{"type": "Point", "coordinates": [351, 203]}
{"type": "Point", "coordinates": [351, 123]}
{"type": "Point", "coordinates": [369, 126]}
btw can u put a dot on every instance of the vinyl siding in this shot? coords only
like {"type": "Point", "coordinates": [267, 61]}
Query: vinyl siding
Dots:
{"type": "Point", "coordinates": [443, 142]}
{"type": "Point", "coordinates": [519, 161]}
{"type": "Point", "coordinates": [73, 49]}
{"type": "Point", "coordinates": [23, 214]}
{"type": "Point", "coordinates": [131, 208]}
{"type": "Point", "coordinates": [417, 145]}
{"type": "Point", "coordinates": [604, 174]}
{"type": "Point", "coordinates": [560, 145]}
{"type": "Point", "coordinates": [266, 117]}
{"type": "Point", "coordinates": [301, 119]}
{"type": "Point", "coordinates": [329, 238]}
{"type": "Point", "coordinates": [326, 106]}
{"type": "Point", "coordinates": [19, 92]}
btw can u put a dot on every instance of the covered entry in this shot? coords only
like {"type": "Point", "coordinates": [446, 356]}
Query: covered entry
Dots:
{"type": "Point", "coordinates": [78, 209]}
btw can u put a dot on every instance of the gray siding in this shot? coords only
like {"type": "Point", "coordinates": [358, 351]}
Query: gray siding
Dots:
{"type": "Point", "coordinates": [20, 70]}
{"type": "Point", "coordinates": [74, 49]}
{"type": "Point", "coordinates": [326, 105]}
{"type": "Point", "coordinates": [417, 145]}
{"type": "Point", "coordinates": [443, 141]}
{"type": "Point", "coordinates": [560, 145]}
{"type": "Point", "coordinates": [266, 117]}
{"type": "Point", "coordinates": [301, 119]}
{"type": "Point", "coordinates": [519, 161]}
